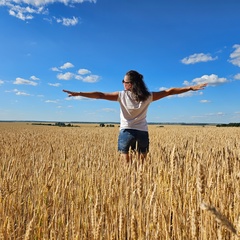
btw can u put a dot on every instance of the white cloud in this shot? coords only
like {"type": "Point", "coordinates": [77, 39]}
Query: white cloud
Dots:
{"type": "Point", "coordinates": [109, 110]}
{"type": "Point", "coordinates": [83, 71]}
{"type": "Point", "coordinates": [27, 9]}
{"type": "Point", "coordinates": [21, 81]}
{"type": "Point", "coordinates": [65, 76]}
{"type": "Point", "coordinates": [67, 65]}
{"type": "Point", "coordinates": [211, 80]}
{"type": "Point", "coordinates": [91, 78]}
{"type": "Point", "coordinates": [211, 115]}
{"type": "Point", "coordinates": [51, 101]}
{"type": "Point", "coordinates": [76, 98]}
{"type": "Point", "coordinates": [88, 77]}
{"type": "Point", "coordinates": [235, 55]}
{"type": "Point", "coordinates": [38, 3]}
{"type": "Point", "coordinates": [216, 114]}
{"type": "Point", "coordinates": [19, 93]}
{"type": "Point", "coordinates": [20, 15]}
{"type": "Point", "coordinates": [1, 82]}
{"type": "Point", "coordinates": [198, 57]}
{"type": "Point", "coordinates": [54, 84]}
{"type": "Point", "coordinates": [68, 21]}
{"type": "Point", "coordinates": [205, 101]}
{"type": "Point", "coordinates": [64, 66]}
{"type": "Point", "coordinates": [237, 76]}
{"type": "Point", "coordinates": [186, 83]}
{"type": "Point", "coordinates": [55, 69]}
{"type": "Point", "coordinates": [9, 91]}
{"type": "Point", "coordinates": [78, 77]}
{"type": "Point", "coordinates": [22, 94]}
{"type": "Point", "coordinates": [162, 88]}
{"type": "Point", "coordinates": [34, 78]}
{"type": "Point", "coordinates": [22, 12]}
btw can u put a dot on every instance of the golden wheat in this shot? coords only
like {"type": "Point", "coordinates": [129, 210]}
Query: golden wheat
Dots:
{"type": "Point", "coordinates": [70, 183]}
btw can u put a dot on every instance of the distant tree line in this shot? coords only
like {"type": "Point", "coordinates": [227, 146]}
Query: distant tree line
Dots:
{"type": "Point", "coordinates": [104, 125]}
{"type": "Point", "coordinates": [58, 124]}
{"type": "Point", "coordinates": [229, 125]}
{"type": "Point", "coordinates": [62, 124]}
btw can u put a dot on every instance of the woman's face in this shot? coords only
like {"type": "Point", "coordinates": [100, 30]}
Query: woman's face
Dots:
{"type": "Point", "coordinates": [127, 84]}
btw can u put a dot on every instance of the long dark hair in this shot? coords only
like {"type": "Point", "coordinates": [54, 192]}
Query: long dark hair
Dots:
{"type": "Point", "coordinates": [139, 88]}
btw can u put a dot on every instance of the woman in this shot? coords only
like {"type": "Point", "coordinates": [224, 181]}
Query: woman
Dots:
{"type": "Point", "coordinates": [134, 101]}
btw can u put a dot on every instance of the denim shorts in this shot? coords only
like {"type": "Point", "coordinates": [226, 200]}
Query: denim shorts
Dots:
{"type": "Point", "coordinates": [134, 139]}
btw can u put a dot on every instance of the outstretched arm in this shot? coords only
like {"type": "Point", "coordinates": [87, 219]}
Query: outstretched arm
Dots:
{"type": "Point", "coordinates": [173, 91]}
{"type": "Point", "coordinates": [98, 95]}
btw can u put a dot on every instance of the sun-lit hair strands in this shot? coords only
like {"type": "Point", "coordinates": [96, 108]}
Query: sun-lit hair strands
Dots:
{"type": "Point", "coordinates": [139, 88]}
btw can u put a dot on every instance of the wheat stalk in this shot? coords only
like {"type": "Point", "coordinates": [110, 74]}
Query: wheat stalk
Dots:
{"type": "Point", "coordinates": [219, 217]}
{"type": "Point", "coordinates": [133, 228]}
{"type": "Point", "coordinates": [193, 225]}
{"type": "Point", "coordinates": [98, 228]}
{"type": "Point", "coordinates": [29, 230]}
{"type": "Point", "coordinates": [140, 183]}
{"type": "Point", "coordinates": [200, 181]}
{"type": "Point", "coordinates": [120, 228]}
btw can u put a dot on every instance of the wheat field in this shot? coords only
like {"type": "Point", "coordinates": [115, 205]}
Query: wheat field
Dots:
{"type": "Point", "coordinates": [69, 183]}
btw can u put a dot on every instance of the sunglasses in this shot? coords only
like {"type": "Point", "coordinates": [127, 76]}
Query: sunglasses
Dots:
{"type": "Point", "coordinates": [125, 82]}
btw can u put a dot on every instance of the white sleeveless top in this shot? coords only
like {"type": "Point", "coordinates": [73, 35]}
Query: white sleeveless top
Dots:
{"type": "Point", "coordinates": [132, 113]}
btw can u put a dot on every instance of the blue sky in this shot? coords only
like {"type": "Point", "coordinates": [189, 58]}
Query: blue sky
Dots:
{"type": "Point", "coordinates": [50, 45]}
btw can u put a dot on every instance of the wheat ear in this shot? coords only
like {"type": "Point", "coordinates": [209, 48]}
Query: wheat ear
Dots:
{"type": "Point", "coordinates": [200, 181]}
{"type": "Point", "coordinates": [219, 217]}
{"type": "Point", "coordinates": [133, 228]}
{"type": "Point", "coordinates": [29, 230]}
